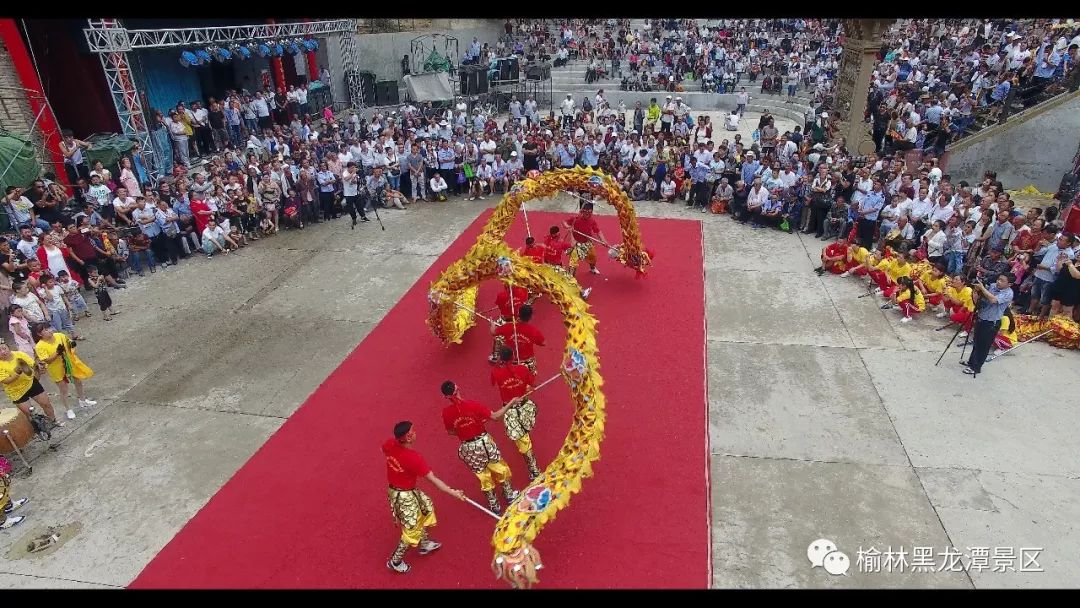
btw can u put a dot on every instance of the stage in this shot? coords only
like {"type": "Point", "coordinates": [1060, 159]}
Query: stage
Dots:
{"type": "Point", "coordinates": [309, 509]}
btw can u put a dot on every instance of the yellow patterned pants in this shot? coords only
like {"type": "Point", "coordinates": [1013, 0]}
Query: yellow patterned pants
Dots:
{"type": "Point", "coordinates": [519, 421]}
{"type": "Point", "coordinates": [579, 251]}
{"type": "Point", "coordinates": [413, 511]}
{"type": "Point", "coordinates": [482, 457]}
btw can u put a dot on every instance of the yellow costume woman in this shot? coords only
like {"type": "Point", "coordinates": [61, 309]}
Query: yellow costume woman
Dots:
{"type": "Point", "coordinates": [57, 352]}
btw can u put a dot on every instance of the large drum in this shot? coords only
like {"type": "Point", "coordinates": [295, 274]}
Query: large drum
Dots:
{"type": "Point", "coordinates": [14, 428]}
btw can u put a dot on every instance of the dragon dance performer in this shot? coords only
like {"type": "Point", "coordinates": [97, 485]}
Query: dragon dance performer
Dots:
{"type": "Point", "coordinates": [514, 381]}
{"type": "Point", "coordinates": [510, 300]}
{"type": "Point", "coordinates": [555, 246]}
{"type": "Point", "coordinates": [465, 420]}
{"type": "Point", "coordinates": [583, 226]}
{"type": "Point", "coordinates": [834, 258]}
{"type": "Point", "coordinates": [533, 251]}
{"type": "Point", "coordinates": [520, 337]}
{"type": "Point", "coordinates": [411, 507]}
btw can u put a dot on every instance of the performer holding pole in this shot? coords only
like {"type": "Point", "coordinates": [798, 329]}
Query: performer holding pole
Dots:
{"type": "Point", "coordinates": [585, 231]}
{"type": "Point", "coordinates": [509, 301]}
{"type": "Point", "coordinates": [465, 420]}
{"type": "Point", "coordinates": [521, 336]}
{"type": "Point", "coordinates": [411, 507]}
{"type": "Point", "coordinates": [514, 382]}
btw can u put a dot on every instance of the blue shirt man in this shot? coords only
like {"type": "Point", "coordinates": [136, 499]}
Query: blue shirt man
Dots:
{"type": "Point", "coordinates": [992, 311]}
{"type": "Point", "coordinates": [1001, 90]}
{"type": "Point", "coordinates": [699, 173]}
{"type": "Point", "coordinates": [146, 218]}
{"type": "Point", "coordinates": [750, 168]}
{"type": "Point", "coordinates": [1046, 66]}
{"type": "Point", "coordinates": [933, 114]}
{"type": "Point", "coordinates": [872, 203]}
{"type": "Point", "coordinates": [567, 153]}
{"type": "Point", "coordinates": [589, 156]}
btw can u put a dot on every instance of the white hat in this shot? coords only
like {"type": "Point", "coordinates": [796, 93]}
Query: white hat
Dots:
{"type": "Point", "coordinates": [824, 114]}
{"type": "Point", "coordinates": [669, 97]}
{"type": "Point", "coordinates": [678, 99]}
{"type": "Point", "coordinates": [513, 153]}
{"type": "Point", "coordinates": [444, 124]}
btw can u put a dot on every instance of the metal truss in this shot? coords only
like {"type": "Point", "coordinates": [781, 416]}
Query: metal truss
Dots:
{"type": "Point", "coordinates": [104, 39]}
{"type": "Point", "coordinates": [113, 42]}
{"type": "Point", "coordinates": [348, 65]}
{"type": "Point", "coordinates": [121, 82]}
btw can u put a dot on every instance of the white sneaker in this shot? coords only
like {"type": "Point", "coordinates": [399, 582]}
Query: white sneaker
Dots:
{"type": "Point", "coordinates": [15, 505]}
{"type": "Point", "coordinates": [11, 522]}
{"type": "Point", "coordinates": [71, 414]}
{"type": "Point", "coordinates": [905, 320]}
{"type": "Point", "coordinates": [940, 315]}
{"type": "Point", "coordinates": [594, 270]}
{"type": "Point", "coordinates": [997, 352]}
{"type": "Point", "coordinates": [87, 402]}
{"type": "Point", "coordinates": [963, 334]}
{"type": "Point", "coordinates": [400, 567]}
{"type": "Point", "coordinates": [878, 291]}
{"type": "Point", "coordinates": [585, 293]}
{"type": "Point", "coordinates": [845, 274]}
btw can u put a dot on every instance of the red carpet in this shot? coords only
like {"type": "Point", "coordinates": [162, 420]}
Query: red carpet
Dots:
{"type": "Point", "coordinates": [309, 509]}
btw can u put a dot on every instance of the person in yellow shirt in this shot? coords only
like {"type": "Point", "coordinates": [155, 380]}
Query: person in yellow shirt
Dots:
{"type": "Point", "coordinates": [20, 384]}
{"type": "Point", "coordinates": [57, 352]}
{"type": "Point", "coordinates": [932, 282]}
{"type": "Point", "coordinates": [901, 267]}
{"type": "Point", "coordinates": [1006, 336]}
{"type": "Point", "coordinates": [856, 258]}
{"type": "Point", "coordinates": [958, 303]}
{"type": "Point", "coordinates": [652, 115]}
{"type": "Point", "coordinates": [909, 299]}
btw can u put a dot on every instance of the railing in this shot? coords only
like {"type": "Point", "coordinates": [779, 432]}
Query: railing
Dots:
{"type": "Point", "coordinates": [1016, 102]}
{"type": "Point", "coordinates": [384, 26]}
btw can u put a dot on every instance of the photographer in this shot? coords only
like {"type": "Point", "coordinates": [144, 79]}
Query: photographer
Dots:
{"type": "Point", "coordinates": [993, 302]}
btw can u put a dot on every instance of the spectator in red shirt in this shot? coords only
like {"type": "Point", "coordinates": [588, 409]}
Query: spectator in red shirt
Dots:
{"type": "Point", "coordinates": [585, 231]}
{"type": "Point", "coordinates": [514, 382]}
{"type": "Point", "coordinates": [465, 420]}
{"type": "Point", "coordinates": [411, 507]}
{"type": "Point", "coordinates": [520, 337]}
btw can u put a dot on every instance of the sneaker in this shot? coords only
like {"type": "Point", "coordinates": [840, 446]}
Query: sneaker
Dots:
{"type": "Point", "coordinates": [11, 522]}
{"type": "Point", "coordinates": [209, 255]}
{"type": "Point", "coordinates": [905, 320]}
{"type": "Point", "coordinates": [585, 293]}
{"type": "Point", "coordinates": [845, 274]}
{"type": "Point", "coordinates": [87, 402]}
{"type": "Point", "coordinates": [878, 291]}
{"type": "Point", "coordinates": [940, 315]}
{"type": "Point", "coordinates": [963, 334]}
{"type": "Point", "coordinates": [399, 567]}
{"type": "Point", "coordinates": [15, 505]}
{"type": "Point", "coordinates": [71, 414]}
{"type": "Point", "coordinates": [428, 547]}
{"type": "Point", "coordinates": [886, 306]}
{"type": "Point", "coordinates": [594, 270]}
{"type": "Point", "coordinates": [997, 352]}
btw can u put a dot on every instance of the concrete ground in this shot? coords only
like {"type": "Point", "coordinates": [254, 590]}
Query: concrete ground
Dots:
{"type": "Point", "coordinates": [828, 419]}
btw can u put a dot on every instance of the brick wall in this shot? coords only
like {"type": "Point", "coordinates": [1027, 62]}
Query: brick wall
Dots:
{"type": "Point", "coordinates": [16, 115]}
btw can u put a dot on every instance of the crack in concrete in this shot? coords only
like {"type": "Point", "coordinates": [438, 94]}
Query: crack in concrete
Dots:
{"type": "Point", "coordinates": [58, 578]}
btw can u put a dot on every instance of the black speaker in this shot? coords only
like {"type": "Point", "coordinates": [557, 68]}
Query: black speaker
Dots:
{"type": "Point", "coordinates": [538, 71]}
{"type": "Point", "coordinates": [367, 84]}
{"type": "Point", "coordinates": [466, 79]}
{"type": "Point", "coordinates": [386, 93]}
{"type": "Point", "coordinates": [481, 81]}
{"type": "Point", "coordinates": [508, 69]}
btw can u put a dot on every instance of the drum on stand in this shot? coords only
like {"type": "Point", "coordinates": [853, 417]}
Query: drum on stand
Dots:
{"type": "Point", "coordinates": [16, 430]}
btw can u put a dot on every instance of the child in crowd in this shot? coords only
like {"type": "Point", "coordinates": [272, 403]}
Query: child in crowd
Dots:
{"type": "Point", "coordinates": [72, 296]}
{"type": "Point", "coordinates": [30, 303]}
{"type": "Point", "coordinates": [55, 304]}
{"type": "Point", "coordinates": [101, 290]}
{"type": "Point", "coordinates": [20, 330]}
{"type": "Point", "coordinates": [909, 299]}
{"type": "Point", "coordinates": [238, 237]}
{"type": "Point", "coordinates": [141, 254]}
{"type": "Point", "coordinates": [1006, 336]}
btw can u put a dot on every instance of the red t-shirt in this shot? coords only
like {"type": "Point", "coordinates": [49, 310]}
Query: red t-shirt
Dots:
{"type": "Point", "coordinates": [466, 418]}
{"type": "Point", "coordinates": [554, 248]}
{"type": "Point", "coordinates": [513, 380]}
{"type": "Point", "coordinates": [403, 465]}
{"type": "Point", "coordinates": [521, 295]}
{"type": "Point", "coordinates": [1072, 223]}
{"type": "Point", "coordinates": [527, 336]}
{"type": "Point", "coordinates": [534, 251]}
{"type": "Point", "coordinates": [584, 225]}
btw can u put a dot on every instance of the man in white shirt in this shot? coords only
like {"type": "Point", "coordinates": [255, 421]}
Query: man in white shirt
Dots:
{"type": "Point", "coordinates": [567, 107]}
{"type": "Point", "coordinates": [123, 205]}
{"type": "Point", "coordinates": [731, 122]}
{"type": "Point", "coordinates": [438, 187]}
{"type": "Point", "coordinates": [214, 239]}
{"type": "Point", "coordinates": [262, 111]}
{"type": "Point", "coordinates": [302, 99]}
